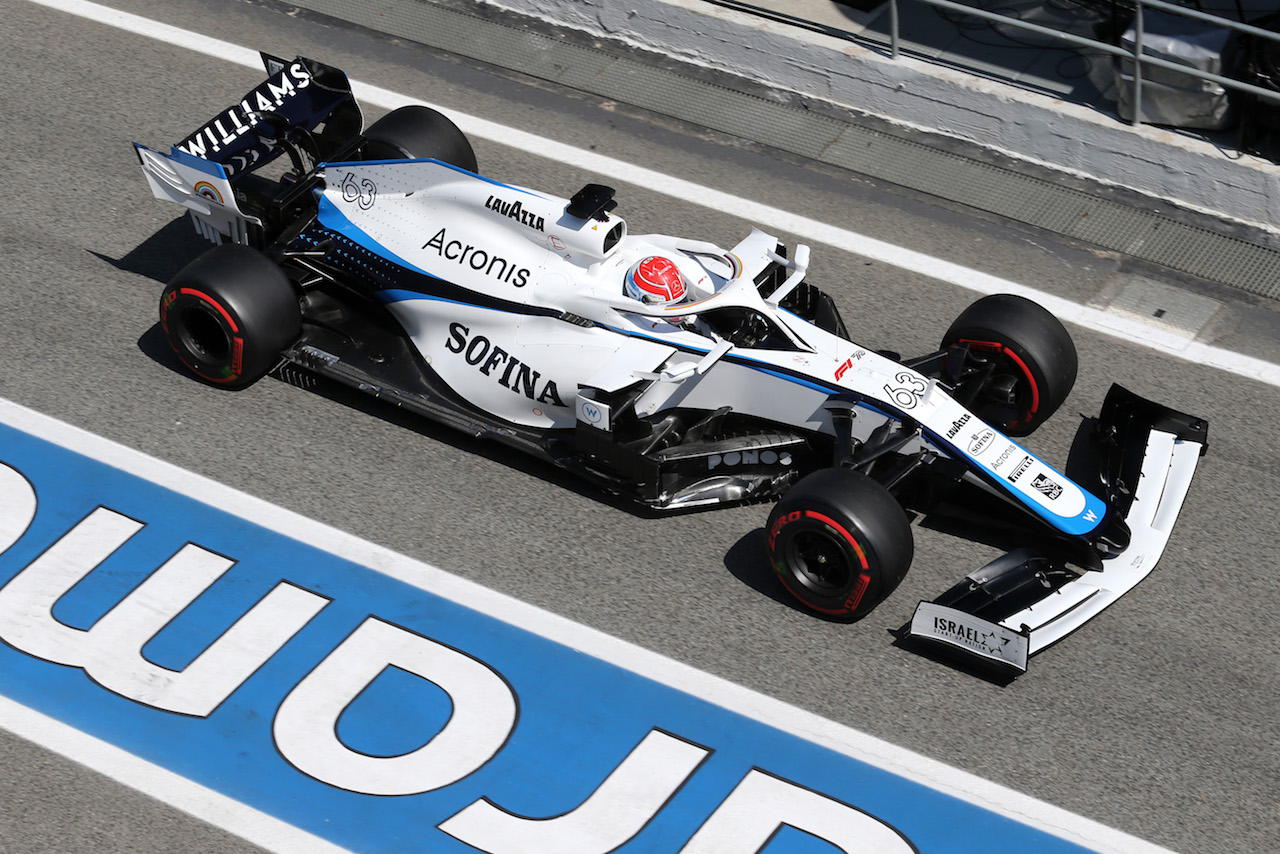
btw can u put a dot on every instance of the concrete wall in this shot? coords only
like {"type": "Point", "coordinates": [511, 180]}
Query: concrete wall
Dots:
{"type": "Point", "coordinates": [1023, 124]}
{"type": "Point", "coordinates": [976, 112]}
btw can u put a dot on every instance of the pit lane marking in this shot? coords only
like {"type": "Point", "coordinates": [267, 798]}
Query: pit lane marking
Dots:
{"type": "Point", "coordinates": [43, 446]}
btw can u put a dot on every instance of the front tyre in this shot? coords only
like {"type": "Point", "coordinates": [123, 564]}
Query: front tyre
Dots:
{"type": "Point", "coordinates": [839, 542]}
{"type": "Point", "coordinates": [1026, 356]}
{"type": "Point", "coordinates": [229, 314]}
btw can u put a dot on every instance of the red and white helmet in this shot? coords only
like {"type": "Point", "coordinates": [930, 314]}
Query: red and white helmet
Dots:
{"type": "Point", "coordinates": [655, 281]}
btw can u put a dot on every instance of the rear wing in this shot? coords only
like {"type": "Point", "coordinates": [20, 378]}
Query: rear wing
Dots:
{"type": "Point", "coordinates": [304, 108]}
{"type": "Point", "coordinates": [1024, 601]}
{"type": "Point", "coordinates": [285, 110]}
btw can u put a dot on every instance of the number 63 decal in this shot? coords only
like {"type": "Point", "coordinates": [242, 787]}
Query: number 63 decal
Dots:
{"type": "Point", "coordinates": [908, 392]}
{"type": "Point", "coordinates": [363, 193]}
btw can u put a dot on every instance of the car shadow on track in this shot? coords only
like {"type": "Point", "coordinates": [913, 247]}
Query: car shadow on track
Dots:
{"type": "Point", "coordinates": [163, 254]}
{"type": "Point", "coordinates": [746, 561]}
{"type": "Point", "coordinates": [1001, 678]}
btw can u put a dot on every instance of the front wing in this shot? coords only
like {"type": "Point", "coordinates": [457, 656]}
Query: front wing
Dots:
{"type": "Point", "coordinates": [1149, 456]}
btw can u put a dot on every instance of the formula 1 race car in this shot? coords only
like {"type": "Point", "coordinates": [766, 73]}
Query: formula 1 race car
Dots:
{"type": "Point", "coordinates": [667, 369]}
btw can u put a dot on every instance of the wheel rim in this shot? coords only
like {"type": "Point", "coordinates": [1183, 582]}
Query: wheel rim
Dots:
{"type": "Point", "coordinates": [1011, 392]}
{"type": "Point", "coordinates": [204, 336]}
{"type": "Point", "coordinates": [820, 561]}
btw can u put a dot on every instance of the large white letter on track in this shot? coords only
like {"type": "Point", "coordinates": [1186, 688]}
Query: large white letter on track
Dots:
{"type": "Point", "coordinates": [17, 506]}
{"type": "Point", "coordinates": [761, 804]}
{"type": "Point", "coordinates": [484, 714]}
{"type": "Point", "coordinates": [111, 650]}
{"type": "Point", "coordinates": [614, 813]}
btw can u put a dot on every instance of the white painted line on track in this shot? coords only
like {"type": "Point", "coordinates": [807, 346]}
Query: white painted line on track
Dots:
{"type": "Point", "coordinates": [173, 789]}
{"type": "Point", "coordinates": [1126, 329]}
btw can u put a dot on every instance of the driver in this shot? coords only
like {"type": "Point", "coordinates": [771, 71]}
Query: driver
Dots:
{"type": "Point", "coordinates": [656, 280]}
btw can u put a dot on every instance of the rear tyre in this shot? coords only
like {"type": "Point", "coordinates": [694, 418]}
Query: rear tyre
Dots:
{"type": "Point", "coordinates": [1031, 354]}
{"type": "Point", "coordinates": [229, 314]}
{"type": "Point", "coordinates": [839, 542]}
{"type": "Point", "coordinates": [415, 132]}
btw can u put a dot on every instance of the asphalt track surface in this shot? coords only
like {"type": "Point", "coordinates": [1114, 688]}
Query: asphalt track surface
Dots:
{"type": "Point", "coordinates": [1158, 718]}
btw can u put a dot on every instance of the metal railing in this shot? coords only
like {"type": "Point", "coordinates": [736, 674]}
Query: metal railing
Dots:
{"type": "Point", "coordinates": [1136, 55]}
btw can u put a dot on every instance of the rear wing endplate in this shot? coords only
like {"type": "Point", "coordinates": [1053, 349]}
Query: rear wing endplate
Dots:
{"type": "Point", "coordinates": [200, 186]}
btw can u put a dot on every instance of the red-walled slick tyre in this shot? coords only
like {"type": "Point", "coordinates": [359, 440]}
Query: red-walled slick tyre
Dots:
{"type": "Point", "coordinates": [415, 132]}
{"type": "Point", "coordinates": [1031, 355]}
{"type": "Point", "coordinates": [839, 542]}
{"type": "Point", "coordinates": [229, 314]}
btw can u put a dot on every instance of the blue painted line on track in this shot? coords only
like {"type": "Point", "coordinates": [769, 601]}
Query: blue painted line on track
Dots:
{"type": "Point", "coordinates": [578, 717]}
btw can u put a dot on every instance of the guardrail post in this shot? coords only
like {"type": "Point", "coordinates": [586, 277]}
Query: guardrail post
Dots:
{"type": "Point", "coordinates": [893, 29]}
{"type": "Point", "coordinates": [1137, 65]}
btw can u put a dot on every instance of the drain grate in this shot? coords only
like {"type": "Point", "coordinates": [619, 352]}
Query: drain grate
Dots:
{"type": "Point", "coordinates": [1108, 223]}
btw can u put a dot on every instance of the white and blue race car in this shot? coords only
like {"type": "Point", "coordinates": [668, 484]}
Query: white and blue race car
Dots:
{"type": "Point", "coordinates": [382, 258]}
